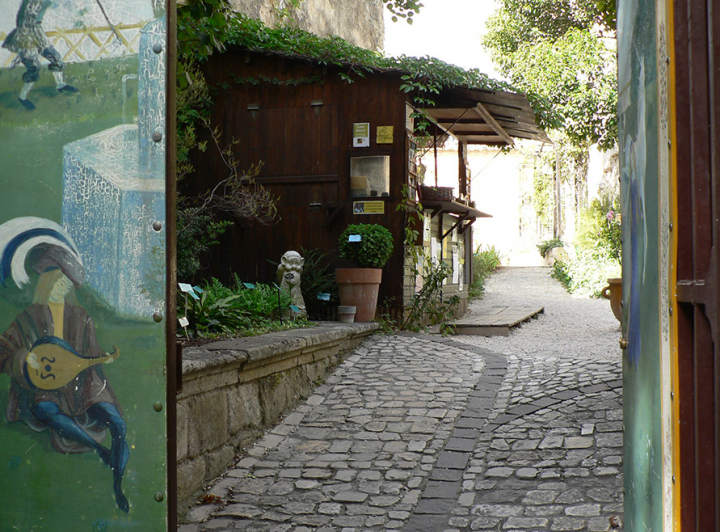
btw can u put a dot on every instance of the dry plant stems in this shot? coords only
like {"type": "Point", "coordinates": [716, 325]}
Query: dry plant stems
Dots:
{"type": "Point", "coordinates": [238, 194]}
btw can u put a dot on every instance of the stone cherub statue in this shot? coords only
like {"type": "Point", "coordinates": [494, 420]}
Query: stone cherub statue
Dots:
{"type": "Point", "coordinates": [288, 272]}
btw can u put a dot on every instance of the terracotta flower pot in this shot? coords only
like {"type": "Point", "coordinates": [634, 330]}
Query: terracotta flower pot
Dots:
{"type": "Point", "coordinates": [359, 288]}
{"type": "Point", "coordinates": [613, 292]}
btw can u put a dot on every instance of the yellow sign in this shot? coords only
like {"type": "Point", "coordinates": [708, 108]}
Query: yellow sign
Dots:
{"type": "Point", "coordinates": [384, 135]}
{"type": "Point", "coordinates": [368, 207]}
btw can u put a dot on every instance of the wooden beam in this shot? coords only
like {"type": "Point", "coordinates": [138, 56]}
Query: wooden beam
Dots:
{"type": "Point", "coordinates": [485, 114]}
{"type": "Point", "coordinates": [460, 220]}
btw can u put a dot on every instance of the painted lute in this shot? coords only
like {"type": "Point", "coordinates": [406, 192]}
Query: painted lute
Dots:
{"type": "Point", "coordinates": [57, 363]}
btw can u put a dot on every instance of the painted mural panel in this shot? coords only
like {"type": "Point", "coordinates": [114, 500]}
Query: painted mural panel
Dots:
{"type": "Point", "coordinates": [640, 188]}
{"type": "Point", "coordinates": [82, 265]}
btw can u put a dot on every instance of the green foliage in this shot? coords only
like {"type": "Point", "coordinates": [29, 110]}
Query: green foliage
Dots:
{"type": "Point", "coordinates": [545, 246]}
{"type": "Point", "coordinates": [422, 77]}
{"type": "Point", "coordinates": [542, 198]}
{"type": "Point", "coordinates": [485, 261]}
{"type": "Point", "coordinates": [560, 272]}
{"type": "Point", "coordinates": [571, 162]}
{"type": "Point", "coordinates": [235, 311]}
{"type": "Point", "coordinates": [318, 278]}
{"type": "Point", "coordinates": [403, 9]}
{"type": "Point", "coordinates": [558, 50]}
{"type": "Point", "coordinates": [600, 226]}
{"type": "Point", "coordinates": [598, 249]}
{"type": "Point", "coordinates": [201, 29]}
{"type": "Point", "coordinates": [374, 248]}
{"type": "Point", "coordinates": [587, 273]}
{"type": "Point", "coordinates": [530, 21]}
{"type": "Point", "coordinates": [428, 306]}
{"type": "Point", "coordinates": [202, 218]}
{"type": "Point", "coordinates": [196, 233]}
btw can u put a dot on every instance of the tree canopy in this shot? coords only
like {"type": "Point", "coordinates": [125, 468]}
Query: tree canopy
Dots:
{"type": "Point", "coordinates": [562, 51]}
{"type": "Point", "coordinates": [403, 9]}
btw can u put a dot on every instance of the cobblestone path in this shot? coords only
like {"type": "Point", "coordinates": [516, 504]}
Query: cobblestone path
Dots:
{"type": "Point", "coordinates": [420, 433]}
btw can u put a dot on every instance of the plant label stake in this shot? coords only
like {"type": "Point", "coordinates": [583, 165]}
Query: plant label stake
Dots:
{"type": "Point", "coordinates": [279, 302]}
{"type": "Point", "coordinates": [295, 311]}
{"type": "Point", "coordinates": [187, 289]}
{"type": "Point", "coordinates": [184, 322]}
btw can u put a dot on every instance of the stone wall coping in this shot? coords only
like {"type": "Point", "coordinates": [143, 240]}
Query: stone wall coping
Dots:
{"type": "Point", "coordinates": [236, 351]}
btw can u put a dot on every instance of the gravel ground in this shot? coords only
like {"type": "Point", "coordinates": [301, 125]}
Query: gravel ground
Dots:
{"type": "Point", "coordinates": [570, 327]}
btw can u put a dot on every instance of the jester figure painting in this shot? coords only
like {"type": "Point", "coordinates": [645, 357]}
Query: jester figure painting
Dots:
{"type": "Point", "coordinates": [51, 353]}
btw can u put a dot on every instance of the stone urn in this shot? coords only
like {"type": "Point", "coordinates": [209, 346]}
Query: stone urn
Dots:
{"type": "Point", "coordinates": [613, 292]}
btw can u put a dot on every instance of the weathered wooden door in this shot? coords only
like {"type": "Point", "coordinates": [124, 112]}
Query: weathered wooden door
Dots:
{"type": "Point", "coordinates": [83, 239]}
{"type": "Point", "coordinates": [697, 75]}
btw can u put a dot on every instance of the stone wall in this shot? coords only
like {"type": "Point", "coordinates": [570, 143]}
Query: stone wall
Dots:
{"type": "Point", "coordinates": [233, 389]}
{"type": "Point", "coordinates": [359, 22]}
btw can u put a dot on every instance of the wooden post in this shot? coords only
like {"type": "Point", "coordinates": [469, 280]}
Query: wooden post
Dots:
{"type": "Point", "coordinates": [435, 153]}
{"type": "Point", "coordinates": [462, 170]}
{"type": "Point", "coordinates": [557, 223]}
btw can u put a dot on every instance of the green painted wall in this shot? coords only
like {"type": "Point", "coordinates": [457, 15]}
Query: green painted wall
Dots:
{"type": "Point", "coordinates": [638, 111]}
{"type": "Point", "coordinates": [44, 489]}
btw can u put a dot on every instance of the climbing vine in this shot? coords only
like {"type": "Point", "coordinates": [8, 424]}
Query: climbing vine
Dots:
{"type": "Point", "coordinates": [259, 79]}
{"type": "Point", "coordinates": [421, 76]}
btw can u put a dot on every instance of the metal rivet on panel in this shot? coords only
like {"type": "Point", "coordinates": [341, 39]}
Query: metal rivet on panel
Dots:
{"type": "Point", "coordinates": [672, 396]}
{"type": "Point", "coordinates": [670, 311]}
{"type": "Point", "coordinates": [157, 406]}
{"type": "Point", "coordinates": [157, 226]}
{"type": "Point", "coordinates": [157, 316]}
{"type": "Point", "coordinates": [157, 136]}
{"type": "Point", "coordinates": [157, 48]}
{"type": "Point", "coordinates": [159, 497]}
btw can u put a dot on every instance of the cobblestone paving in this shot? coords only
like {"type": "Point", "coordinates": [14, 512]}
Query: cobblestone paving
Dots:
{"type": "Point", "coordinates": [419, 433]}
{"type": "Point", "coordinates": [357, 453]}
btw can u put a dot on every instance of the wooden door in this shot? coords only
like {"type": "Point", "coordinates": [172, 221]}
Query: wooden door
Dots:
{"type": "Point", "coordinates": [697, 65]}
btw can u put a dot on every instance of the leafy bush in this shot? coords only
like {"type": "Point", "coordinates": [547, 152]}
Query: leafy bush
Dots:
{"type": "Point", "coordinates": [587, 273]}
{"type": "Point", "coordinates": [374, 248]}
{"type": "Point", "coordinates": [238, 311]}
{"type": "Point", "coordinates": [560, 272]}
{"type": "Point", "coordinates": [484, 263]}
{"type": "Point", "coordinates": [600, 226]}
{"type": "Point", "coordinates": [318, 278]}
{"type": "Point", "coordinates": [196, 233]}
{"type": "Point", "coordinates": [427, 306]}
{"type": "Point", "coordinates": [598, 250]}
{"type": "Point", "coordinates": [545, 246]}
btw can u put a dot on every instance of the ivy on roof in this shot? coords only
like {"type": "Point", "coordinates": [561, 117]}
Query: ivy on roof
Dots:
{"type": "Point", "coordinates": [422, 75]}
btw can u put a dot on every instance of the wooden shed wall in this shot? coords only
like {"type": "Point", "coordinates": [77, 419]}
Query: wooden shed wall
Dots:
{"type": "Point", "coordinates": [305, 149]}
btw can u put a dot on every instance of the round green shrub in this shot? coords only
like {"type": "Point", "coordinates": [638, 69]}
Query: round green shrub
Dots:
{"type": "Point", "coordinates": [374, 248]}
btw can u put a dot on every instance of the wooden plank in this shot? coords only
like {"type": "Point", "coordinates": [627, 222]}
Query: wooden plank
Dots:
{"type": "Point", "coordinates": [495, 321]}
{"type": "Point", "coordinates": [488, 117]}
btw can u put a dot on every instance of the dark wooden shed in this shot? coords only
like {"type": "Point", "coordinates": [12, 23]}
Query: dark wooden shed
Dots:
{"type": "Point", "coordinates": [337, 153]}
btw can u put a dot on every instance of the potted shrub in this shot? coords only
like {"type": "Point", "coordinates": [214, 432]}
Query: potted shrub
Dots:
{"type": "Point", "coordinates": [369, 247]}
